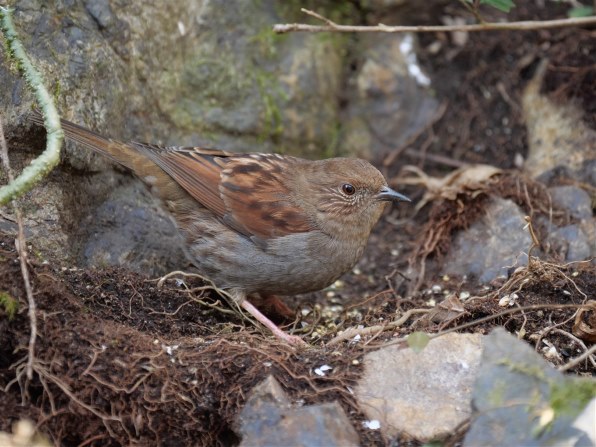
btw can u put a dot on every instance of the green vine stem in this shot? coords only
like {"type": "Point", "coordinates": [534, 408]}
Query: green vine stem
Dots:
{"type": "Point", "coordinates": [43, 164]}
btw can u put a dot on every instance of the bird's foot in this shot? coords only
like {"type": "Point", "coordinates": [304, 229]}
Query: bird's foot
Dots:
{"type": "Point", "coordinates": [293, 340]}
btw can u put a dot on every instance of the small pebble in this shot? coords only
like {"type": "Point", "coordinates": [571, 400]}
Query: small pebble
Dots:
{"type": "Point", "coordinates": [372, 424]}
{"type": "Point", "coordinates": [321, 370]}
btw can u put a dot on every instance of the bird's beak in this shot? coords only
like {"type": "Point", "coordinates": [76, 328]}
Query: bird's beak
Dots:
{"type": "Point", "coordinates": [387, 194]}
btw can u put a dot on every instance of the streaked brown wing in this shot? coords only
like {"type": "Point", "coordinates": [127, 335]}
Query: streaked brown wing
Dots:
{"type": "Point", "coordinates": [256, 195]}
{"type": "Point", "coordinates": [248, 191]}
{"type": "Point", "coordinates": [197, 170]}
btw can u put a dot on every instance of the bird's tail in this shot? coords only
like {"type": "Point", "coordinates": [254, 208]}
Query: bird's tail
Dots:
{"type": "Point", "coordinates": [132, 157]}
{"type": "Point", "coordinates": [115, 150]}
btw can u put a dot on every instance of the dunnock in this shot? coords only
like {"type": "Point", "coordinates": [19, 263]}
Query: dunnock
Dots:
{"type": "Point", "coordinates": [258, 223]}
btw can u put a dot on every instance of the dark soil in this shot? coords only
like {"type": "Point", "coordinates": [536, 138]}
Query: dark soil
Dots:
{"type": "Point", "coordinates": [119, 361]}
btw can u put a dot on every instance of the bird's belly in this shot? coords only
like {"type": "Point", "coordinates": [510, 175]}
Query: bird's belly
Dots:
{"type": "Point", "coordinates": [288, 265]}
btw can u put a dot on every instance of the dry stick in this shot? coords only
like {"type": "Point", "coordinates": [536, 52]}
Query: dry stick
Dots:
{"type": "Point", "coordinates": [380, 28]}
{"type": "Point", "coordinates": [576, 361]}
{"type": "Point", "coordinates": [511, 311]}
{"type": "Point", "coordinates": [492, 317]}
{"type": "Point", "coordinates": [22, 250]}
{"type": "Point", "coordinates": [352, 332]}
{"type": "Point", "coordinates": [576, 340]}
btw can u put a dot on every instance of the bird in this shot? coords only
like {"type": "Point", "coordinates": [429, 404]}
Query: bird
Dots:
{"type": "Point", "coordinates": [257, 224]}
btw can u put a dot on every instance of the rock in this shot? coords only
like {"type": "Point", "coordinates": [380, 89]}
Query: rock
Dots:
{"type": "Point", "coordinates": [24, 435]}
{"type": "Point", "coordinates": [268, 419]}
{"type": "Point", "coordinates": [492, 244]}
{"type": "Point", "coordinates": [585, 424]}
{"type": "Point", "coordinates": [426, 395]}
{"type": "Point", "coordinates": [575, 242]}
{"type": "Point", "coordinates": [557, 135]}
{"type": "Point", "coordinates": [571, 243]}
{"type": "Point", "coordinates": [130, 229]}
{"type": "Point", "coordinates": [388, 100]}
{"type": "Point", "coordinates": [519, 399]}
{"type": "Point", "coordinates": [574, 200]}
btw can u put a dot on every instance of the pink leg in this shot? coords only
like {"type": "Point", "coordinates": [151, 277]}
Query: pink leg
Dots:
{"type": "Point", "coordinates": [290, 339]}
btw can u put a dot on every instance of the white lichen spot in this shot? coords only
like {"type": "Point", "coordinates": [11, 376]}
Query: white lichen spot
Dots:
{"type": "Point", "coordinates": [373, 424]}
{"type": "Point", "coordinates": [181, 28]}
{"type": "Point", "coordinates": [407, 49]}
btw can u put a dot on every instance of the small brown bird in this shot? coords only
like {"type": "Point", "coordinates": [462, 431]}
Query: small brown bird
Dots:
{"type": "Point", "coordinates": [257, 223]}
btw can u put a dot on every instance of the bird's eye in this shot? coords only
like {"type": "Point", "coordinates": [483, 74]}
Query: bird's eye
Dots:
{"type": "Point", "coordinates": [348, 189]}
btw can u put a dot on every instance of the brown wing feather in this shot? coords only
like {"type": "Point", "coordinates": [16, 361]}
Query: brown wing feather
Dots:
{"type": "Point", "coordinates": [198, 171]}
{"type": "Point", "coordinates": [248, 191]}
{"type": "Point", "coordinates": [256, 195]}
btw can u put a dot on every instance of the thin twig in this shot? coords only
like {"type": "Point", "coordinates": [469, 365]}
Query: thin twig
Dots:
{"type": "Point", "coordinates": [576, 340]}
{"type": "Point", "coordinates": [380, 28]}
{"type": "Point", "coordinates": [21, 246]}
{"type": "Point", "coordinates": [435, 158]}
{"type": "Point", "coordinates": [580, 358]}
{"type": "Point", "coordinates": [352, 332]}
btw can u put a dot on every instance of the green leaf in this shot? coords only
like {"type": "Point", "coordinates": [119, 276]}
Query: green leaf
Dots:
{"type": "Point", "coordinates": [501, 5]}
{"type": "Point", "coordinates": [581, 11]}
{"type": "Point", "coordinates": [417, 341]}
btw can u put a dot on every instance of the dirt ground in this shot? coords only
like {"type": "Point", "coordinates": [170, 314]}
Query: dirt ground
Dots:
{"type": "Point", "coordinates": [120, 360]}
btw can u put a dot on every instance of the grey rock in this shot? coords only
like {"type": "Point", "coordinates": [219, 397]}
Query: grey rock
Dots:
{"type": "Point", "coordinates": [130, 229]}
{"type": "Point", "coordinates": [264, 398]}
{"type": "Point", "coordinates": [268, 419]}
{"type": "Point", "coordinates": [584, 423]}
{"type": "Point", "coordinates": [585, 173]}
{"type": "Point", "coordinates": [425, 395]}
{"type": "Point", "coordinates": [518, 398]}
{"type": "Point", "coordinates": [388, 100]}
{"type": "Point", "coordinates": [100, 10]}
{"type": "Point", "coordinates": [571, 243]}
{"type": "Point", "coordinates": [574, 200]}
{"type": "Point", "coordinates": [492, 244]}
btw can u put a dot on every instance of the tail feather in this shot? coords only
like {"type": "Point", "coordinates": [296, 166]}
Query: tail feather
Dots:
{"type": "Point", "coordinates": [115, 150]}
{"type": "Point", "coordinates": [175, 197]}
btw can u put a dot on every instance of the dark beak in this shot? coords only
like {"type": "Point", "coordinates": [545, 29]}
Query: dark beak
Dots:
{"type": "Point", "coordinates": [387, 194]}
